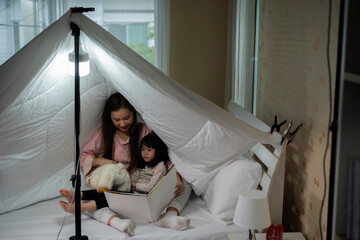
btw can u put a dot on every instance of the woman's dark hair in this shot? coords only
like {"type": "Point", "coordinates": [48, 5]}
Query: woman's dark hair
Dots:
{"type": "Point", "coordinates": [114, 103]}
{"type": "Point", "coordinates": [161, 151]}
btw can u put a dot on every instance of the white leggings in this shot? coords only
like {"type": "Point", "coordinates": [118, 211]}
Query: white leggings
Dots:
{"type": "Point", "coordinates": [180, 202]}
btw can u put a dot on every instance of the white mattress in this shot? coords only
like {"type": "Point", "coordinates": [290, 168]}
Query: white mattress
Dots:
{"type": "Point", "coordinates": [43, 221]}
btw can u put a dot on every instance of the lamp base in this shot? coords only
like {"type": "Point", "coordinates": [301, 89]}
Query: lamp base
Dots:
{"type": "Point", "coordinates": [251, 235]}
{"type": "Point", "coordinates": [83, 237]}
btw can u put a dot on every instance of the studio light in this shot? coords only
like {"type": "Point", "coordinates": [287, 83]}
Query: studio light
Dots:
{"type": "Point", "coordinates": [78, 57]}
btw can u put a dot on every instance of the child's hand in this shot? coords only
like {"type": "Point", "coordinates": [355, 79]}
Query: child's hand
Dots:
{"type": "Point", "coordinates": [179, 186]}
{"type": "Point", "coordinates": [179, 189]}
{"type": "Point", "coordinates": [133, 184]}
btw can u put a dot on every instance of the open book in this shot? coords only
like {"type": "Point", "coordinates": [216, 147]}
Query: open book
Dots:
{"type": "Point", "coordinates": [144, 207]}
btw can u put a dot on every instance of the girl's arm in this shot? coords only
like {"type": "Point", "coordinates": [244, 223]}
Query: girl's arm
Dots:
{"type": "Point", "coordinates": [158, 172]}
{"type": "Point", "coordinates": [134, 179]}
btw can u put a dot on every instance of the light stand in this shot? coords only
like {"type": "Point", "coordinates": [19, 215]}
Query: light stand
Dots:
{"type": "Point", "coordinates": [76, 179]}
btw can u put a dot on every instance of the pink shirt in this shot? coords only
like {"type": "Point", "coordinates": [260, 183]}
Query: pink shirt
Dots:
{"type": "Point", "coordinates": [92, 149]}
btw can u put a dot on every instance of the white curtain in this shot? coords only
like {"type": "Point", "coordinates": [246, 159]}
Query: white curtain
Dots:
{"type": "Point", "coordinates": [162, 34]}
{"type": "Point", "coordinates": [242, 52]}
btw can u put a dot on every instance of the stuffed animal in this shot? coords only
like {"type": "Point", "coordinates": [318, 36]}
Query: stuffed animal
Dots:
{"type": "Point", "coordinates": [110, 176]}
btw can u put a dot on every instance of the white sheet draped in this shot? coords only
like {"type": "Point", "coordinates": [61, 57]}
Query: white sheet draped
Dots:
{"type": "Point", "coordinates": [36, 113]}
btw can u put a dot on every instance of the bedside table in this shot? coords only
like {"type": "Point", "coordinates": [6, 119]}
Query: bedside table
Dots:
{"type": "Point", "coordinates": [286, 236]}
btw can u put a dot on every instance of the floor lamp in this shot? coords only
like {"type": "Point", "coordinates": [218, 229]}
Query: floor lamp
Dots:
{"type": "Point", "coordinates": [76, 180]}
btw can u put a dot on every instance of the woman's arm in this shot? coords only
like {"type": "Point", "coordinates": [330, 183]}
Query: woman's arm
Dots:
{"type": "Point", "coordinates": [90, 157]}
{"type": "Point", "coordinates": [100, 161]}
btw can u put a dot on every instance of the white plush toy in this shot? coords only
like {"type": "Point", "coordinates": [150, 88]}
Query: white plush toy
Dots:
{"type": "Point", "coordinates": [110, 176]}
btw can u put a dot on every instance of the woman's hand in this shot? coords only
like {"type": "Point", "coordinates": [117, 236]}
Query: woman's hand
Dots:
{"type": "Point", "coordinates": [179, 186]}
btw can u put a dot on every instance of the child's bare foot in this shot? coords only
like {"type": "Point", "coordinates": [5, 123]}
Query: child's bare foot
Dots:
{"type": "Point", "coordinates": [67, 194]}
{"type": "Point", "coordinates": [67, 207]}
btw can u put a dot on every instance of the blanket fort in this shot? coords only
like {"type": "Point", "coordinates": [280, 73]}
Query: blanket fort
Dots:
{"type": "Point", "coordinates": [37, 106]}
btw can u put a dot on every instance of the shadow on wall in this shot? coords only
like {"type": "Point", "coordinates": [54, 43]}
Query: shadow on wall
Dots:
{"type": "Point", "coordinates": [302, 206]}
{"type": "Point", "coordinates": [296, 181]}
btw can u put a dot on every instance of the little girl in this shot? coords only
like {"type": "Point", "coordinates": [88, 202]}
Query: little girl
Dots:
{"type": "Point", "coordinates": [151, 167]}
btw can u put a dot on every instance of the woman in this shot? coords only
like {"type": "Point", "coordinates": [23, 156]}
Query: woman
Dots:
{"type": "Point", "coordinates": [117, 140]}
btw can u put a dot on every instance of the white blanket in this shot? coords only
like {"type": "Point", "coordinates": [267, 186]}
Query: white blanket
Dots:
{"type": "Point", "coordinates": [43, 221]}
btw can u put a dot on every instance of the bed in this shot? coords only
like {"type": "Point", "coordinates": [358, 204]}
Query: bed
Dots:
{"type": "Point", "coordinates": [44, 220]}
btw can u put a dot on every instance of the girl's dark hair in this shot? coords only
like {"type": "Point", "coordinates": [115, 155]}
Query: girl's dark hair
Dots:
{"type": "Point", "coordinates": [161, 151]}
{"type": "Point", "coordinates": [114, 103]}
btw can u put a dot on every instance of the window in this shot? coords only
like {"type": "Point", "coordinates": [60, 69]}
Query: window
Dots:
{"type": "Point", "coordinates": [139, 24]}
{"type": "Point", "coordinates": [245, 54]}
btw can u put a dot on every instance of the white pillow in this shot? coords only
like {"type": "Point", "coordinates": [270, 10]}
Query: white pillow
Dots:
{"type": "Point", "coordinates": [221, 196]}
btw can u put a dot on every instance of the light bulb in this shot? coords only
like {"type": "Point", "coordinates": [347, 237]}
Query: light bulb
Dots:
{"type": "Point", "coordinates": [84, 63]}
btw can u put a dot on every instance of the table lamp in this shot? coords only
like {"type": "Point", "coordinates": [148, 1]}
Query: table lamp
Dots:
{"type": "Point", "coordinates": [252, 211]}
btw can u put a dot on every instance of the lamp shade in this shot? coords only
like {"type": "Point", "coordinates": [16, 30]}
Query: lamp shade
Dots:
{"type": "Point", "coordinates": [252, 210]}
